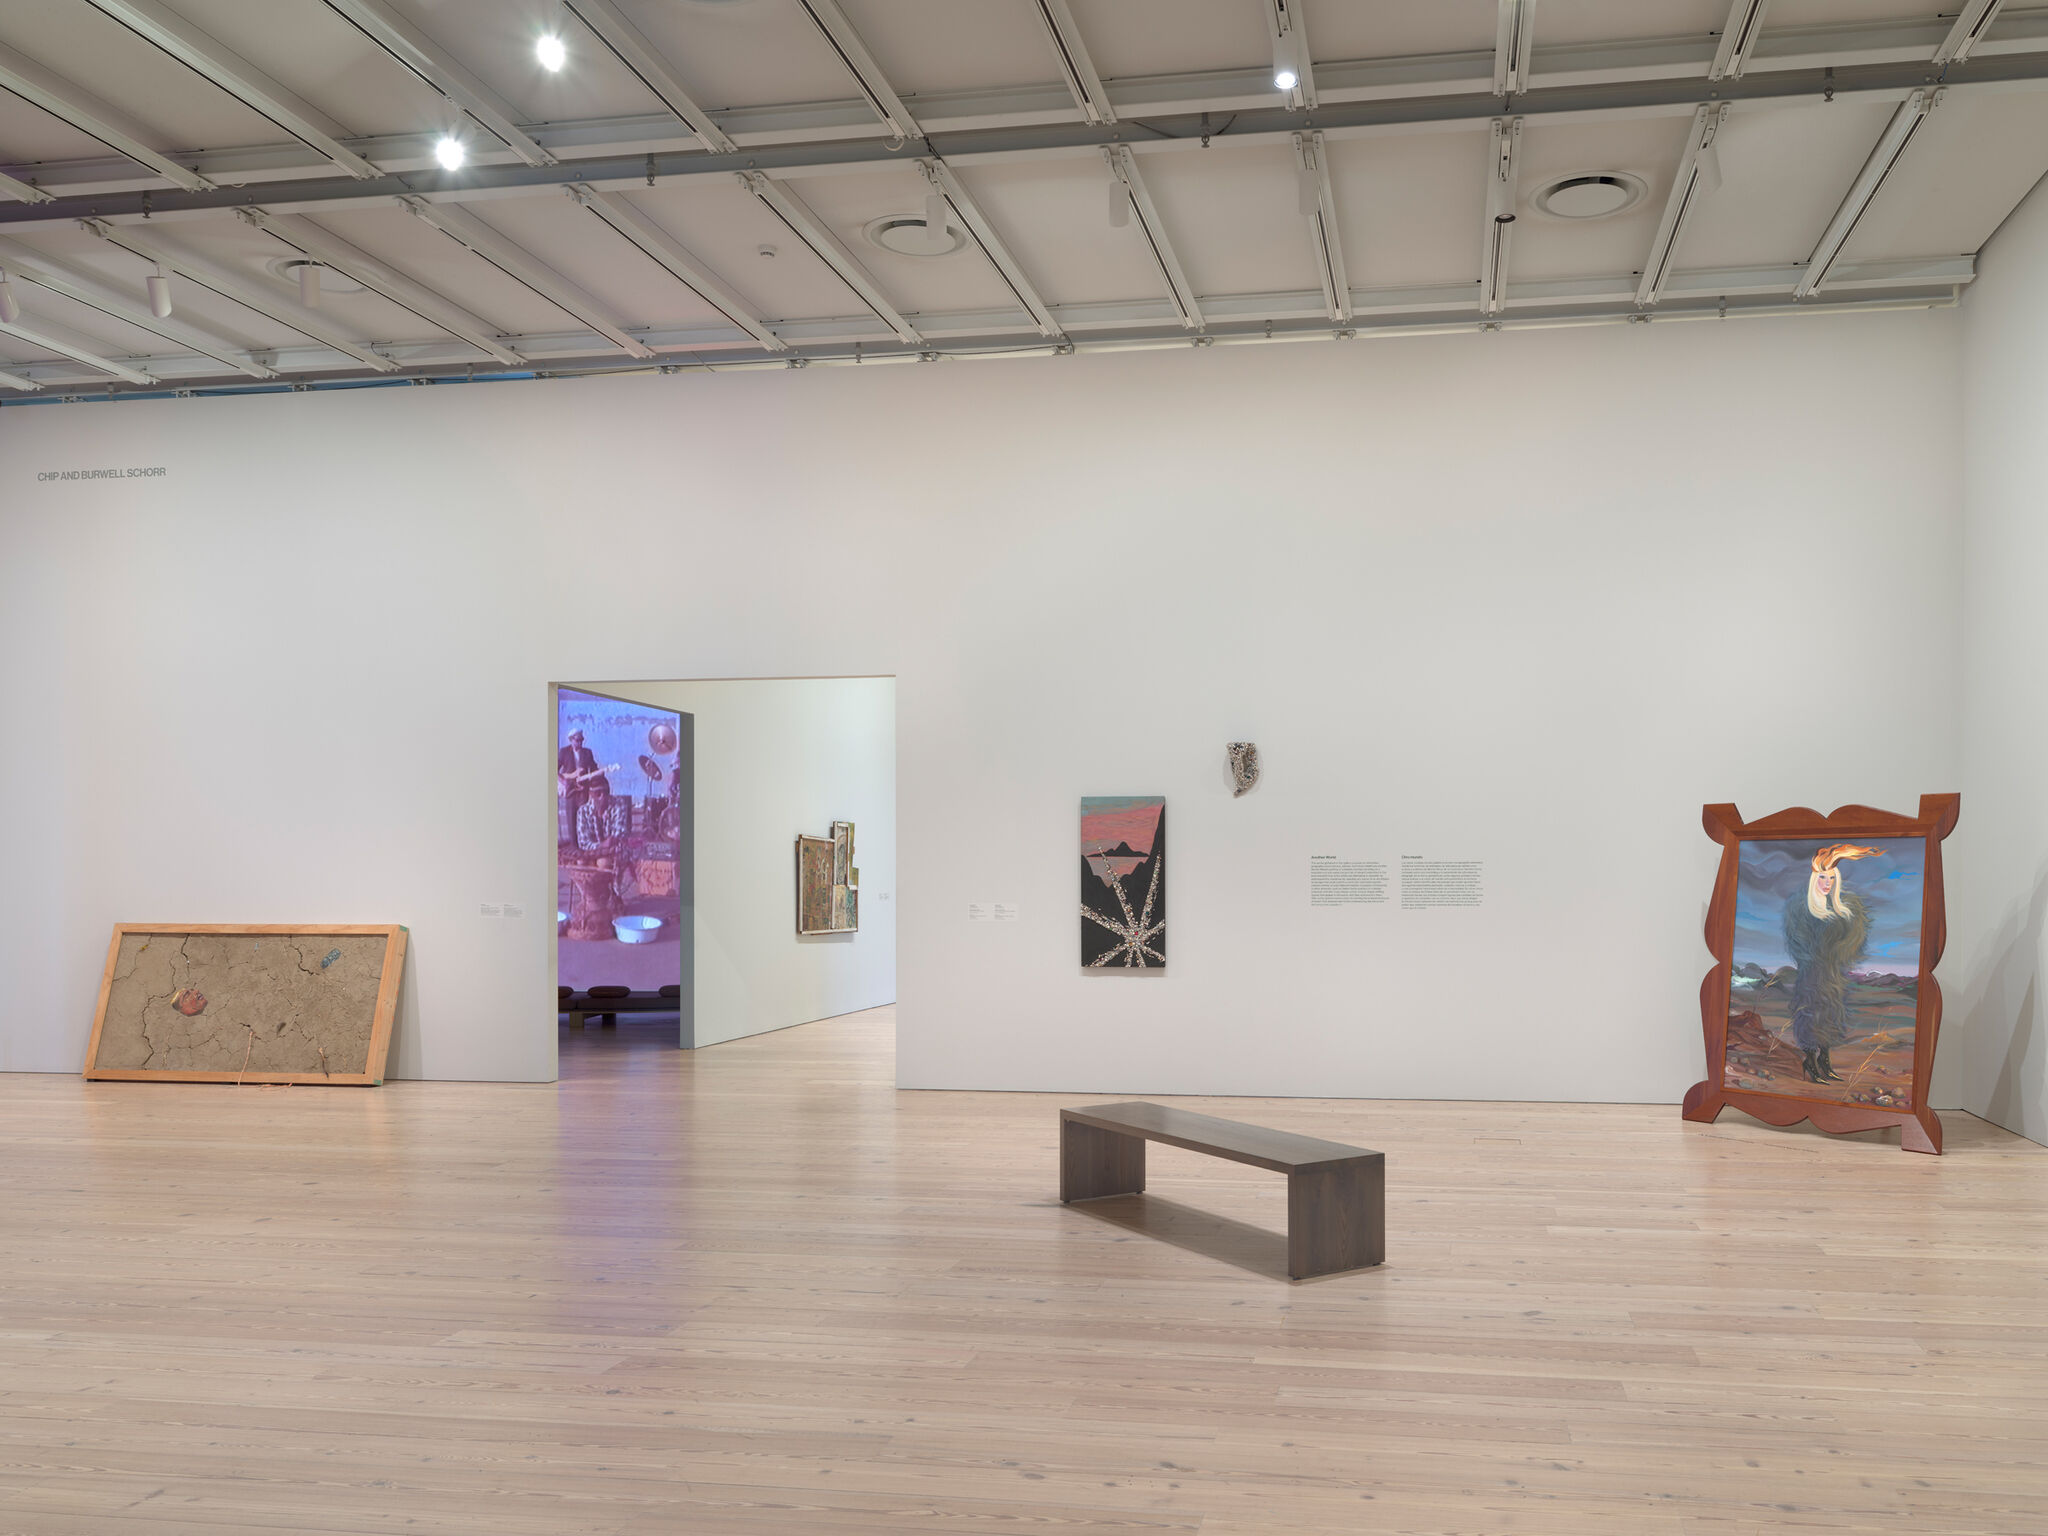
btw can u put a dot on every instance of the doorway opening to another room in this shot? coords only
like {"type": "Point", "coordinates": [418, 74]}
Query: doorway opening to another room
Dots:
{"type": "Point", "coordinates": [623, 861]}
{"type": "Point", "coordinates": [725, 859]}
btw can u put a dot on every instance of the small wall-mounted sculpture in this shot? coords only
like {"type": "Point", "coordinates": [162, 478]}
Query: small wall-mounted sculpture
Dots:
{"type": "Point", "coordinates": [1244, 766]}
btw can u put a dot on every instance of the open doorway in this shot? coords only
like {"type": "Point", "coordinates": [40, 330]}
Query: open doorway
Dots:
{"type": "Point", "coordinates": [623, 861]}
{"type": "Point", "coordinates": [762, 773]}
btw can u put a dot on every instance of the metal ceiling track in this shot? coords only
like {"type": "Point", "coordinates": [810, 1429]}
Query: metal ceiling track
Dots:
{"type": "Point", "coordinates": [241, 288]}
{"type": "Point", "coordinates": [397, 35]}
{"type": "Point", "coordinates": [632, 48]}
{"type": "Point", "coordinates": [1278, 124]}
{"type": "Point", "coordinates": [98, 119]}
{"type": "Point", "coordinates": [1318, 201]}
{"type": "Point", "coordinates": [1701, 307]}
{"type": "Point", "coordinates": [159, 24]}
{"type": "Point", "coordinates": [1077, 68]}
{"type": "Point", "coordinates": [121, 304]}
{"type": "Point", "coordinates": [797, 217]}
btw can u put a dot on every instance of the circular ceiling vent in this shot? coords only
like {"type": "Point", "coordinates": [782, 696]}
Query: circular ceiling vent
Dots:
{"type": "Point", "coordinates": [907, 234]}
{"type": "Point", "coordinates": [286, 269]}
{"type": "Point", "coordinates": [1592, 195]}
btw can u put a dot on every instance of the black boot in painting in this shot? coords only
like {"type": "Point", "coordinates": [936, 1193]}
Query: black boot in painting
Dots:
{"type": "Point", "coordinates": [1827, 1071]}
{"type": "Point", "coordinates": [1810, 1060]}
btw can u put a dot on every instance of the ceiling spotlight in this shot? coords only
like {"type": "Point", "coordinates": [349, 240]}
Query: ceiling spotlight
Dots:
{"type": "Point", "coordinates": [159, 285]}
{"type": "Point", "coordinates": [10, 306]}
{"type": "Point", "coordinates": [552, 52]}
{"type": "Point", "coordinates": [451, 152]}
{"type": "Point", "coordinates": [1286, 73]}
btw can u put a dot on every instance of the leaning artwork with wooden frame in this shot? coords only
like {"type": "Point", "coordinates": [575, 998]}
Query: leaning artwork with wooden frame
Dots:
{"type": "Point", "coordinates": [1822, 1003]}
{"type": "Point", "coordinates": [247, 1003]}
{"type": "Point", "coordinates": [827, 883]}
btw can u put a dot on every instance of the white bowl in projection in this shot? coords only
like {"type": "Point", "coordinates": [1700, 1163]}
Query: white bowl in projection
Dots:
{"type": "Point", "coordinates": [637, 930]}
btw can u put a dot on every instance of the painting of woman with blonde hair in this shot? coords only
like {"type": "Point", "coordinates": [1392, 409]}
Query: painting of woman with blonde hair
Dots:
{"type": "Point", "coordinates": [1824, 984]}
{"type": "Point", "coordinates": [1826, 929]}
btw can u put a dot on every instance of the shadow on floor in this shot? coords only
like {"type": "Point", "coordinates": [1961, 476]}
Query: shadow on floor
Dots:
{"type": "Point", "coordinates": [1204, 1232]}
{"type": "Point", "coordinates": [636, 1035]}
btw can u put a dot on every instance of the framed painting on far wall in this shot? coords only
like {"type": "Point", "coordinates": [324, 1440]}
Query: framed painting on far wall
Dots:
{"type": "Point", "coordinates": [1123, 882]}
{"type": "Point", "coordinates": [1822, 1003]}
{"type": "Point", "coordinates": [814, 885]}
{"type": "Point", "coordinates": [827, 883]}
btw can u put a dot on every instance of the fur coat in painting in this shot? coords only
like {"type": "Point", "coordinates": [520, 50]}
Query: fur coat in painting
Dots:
{"type": "Point", "coordinates": [1823, 948]}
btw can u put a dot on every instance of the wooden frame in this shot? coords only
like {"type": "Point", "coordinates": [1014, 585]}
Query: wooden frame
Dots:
{"type": "Point", "coordinates": [827, 884]}
{"type": "Point", "coordinates": [396, 937]}
{"type": "Point", "coordinates": [1920, 1129]}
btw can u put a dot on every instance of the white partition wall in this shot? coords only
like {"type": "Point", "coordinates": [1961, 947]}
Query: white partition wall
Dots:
{"type": "Point", "coordinates": [1525, 598]}
{"type": "Point", "coordinates": [1997, 1037]}
{"type": "Point", "coordinates": [775, 757]}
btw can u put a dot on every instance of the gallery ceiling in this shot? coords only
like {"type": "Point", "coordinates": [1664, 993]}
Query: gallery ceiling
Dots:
{"type": "Point", "coordinates": [750, 182]}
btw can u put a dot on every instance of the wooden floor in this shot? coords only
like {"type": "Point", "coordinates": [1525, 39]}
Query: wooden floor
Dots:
{"type": "Point", "coordinates": [754, 1289]}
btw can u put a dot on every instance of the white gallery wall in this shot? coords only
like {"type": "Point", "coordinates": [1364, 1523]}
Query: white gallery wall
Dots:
{"type": "Point", "coordinates": [1528, 598]}
{"type": "Point", "coordinates": [1996, 1037]}
{"type": "Point", "coordinates": [776, 757]}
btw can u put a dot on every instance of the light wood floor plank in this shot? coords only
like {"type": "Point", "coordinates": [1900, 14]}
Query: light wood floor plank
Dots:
{"type": "Point", "coordinates": [755, 1289]}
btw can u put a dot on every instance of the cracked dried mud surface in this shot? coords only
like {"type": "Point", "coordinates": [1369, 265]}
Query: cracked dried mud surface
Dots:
{"type": "Point", "coordinates": [270, 1006]}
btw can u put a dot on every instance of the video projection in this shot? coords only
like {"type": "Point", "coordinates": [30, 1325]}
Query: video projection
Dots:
{"type": "Point", "coordinates": [619, 819]}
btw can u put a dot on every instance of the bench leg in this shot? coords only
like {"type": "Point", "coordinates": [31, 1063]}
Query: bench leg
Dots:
{"type": "Point", "coordinates": [609, 1021]}
{"type": "Point", "coordinates": [1337, 1218]}
{"type": "Point", "coordinates": [575, 1021]}
{"type": "Point", "coordinates": [1095, 1162]}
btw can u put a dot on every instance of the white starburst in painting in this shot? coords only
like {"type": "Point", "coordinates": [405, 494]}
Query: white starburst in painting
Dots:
{"type": "Point", "coordinates": [1136, 932]}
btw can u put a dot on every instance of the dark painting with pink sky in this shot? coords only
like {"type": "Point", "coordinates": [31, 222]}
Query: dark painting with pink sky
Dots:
{"type": "Point", "coordinates": [1123, 882]}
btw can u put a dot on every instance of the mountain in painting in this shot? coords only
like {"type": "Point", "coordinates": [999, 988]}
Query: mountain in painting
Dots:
{"type": "Point", "coordinates": [1123, 905]}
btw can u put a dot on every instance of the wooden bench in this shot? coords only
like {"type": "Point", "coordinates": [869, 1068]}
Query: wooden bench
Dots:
{"type": "Point", "coordinates": [1336, 1194]}
{"type": "Point", "coordinates": [607, 1003]}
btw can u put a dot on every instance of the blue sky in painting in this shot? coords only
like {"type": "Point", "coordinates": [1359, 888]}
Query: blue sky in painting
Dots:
{"type": "Point", "coordinates": [1770, 872]}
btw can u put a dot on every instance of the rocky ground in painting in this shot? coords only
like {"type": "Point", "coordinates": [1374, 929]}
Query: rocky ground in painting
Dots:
{"type": "Point", "coordinates": [1875, 1063]}
{"type": "Point", "coordinates": [242, 1003]}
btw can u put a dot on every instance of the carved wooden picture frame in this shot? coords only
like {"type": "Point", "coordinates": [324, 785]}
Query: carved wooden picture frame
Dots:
{"type": "Point", "coordinates": [1773, 1018]}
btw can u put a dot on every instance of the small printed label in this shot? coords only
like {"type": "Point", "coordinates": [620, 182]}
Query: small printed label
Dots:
{"type": "Point", "coordinates": [147, 472]}
{"type": "Point", "coordinates": [980, 912]}
{"type": "Point", "coordinates": [1006, 911]}
{"type": "Point", "coordinates": [513, 909]}
{"type": "Point", "coordinates": [489, 909]}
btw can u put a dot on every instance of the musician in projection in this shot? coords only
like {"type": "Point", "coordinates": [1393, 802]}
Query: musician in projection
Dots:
{"type": "Point", "coordinates": [578, 779]}
{"type": "Point", "coordinates": [1826, 928]}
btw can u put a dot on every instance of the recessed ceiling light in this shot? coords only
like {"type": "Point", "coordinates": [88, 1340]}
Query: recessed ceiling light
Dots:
{"type": "Point", "coordinates": [552, 52]}
{"type": "Point", "coordinates": [1592, 195]}
{"type": "Point", "coordinates": [451, 152]}
{"type": "Point", "coordinates": [907, 234]}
